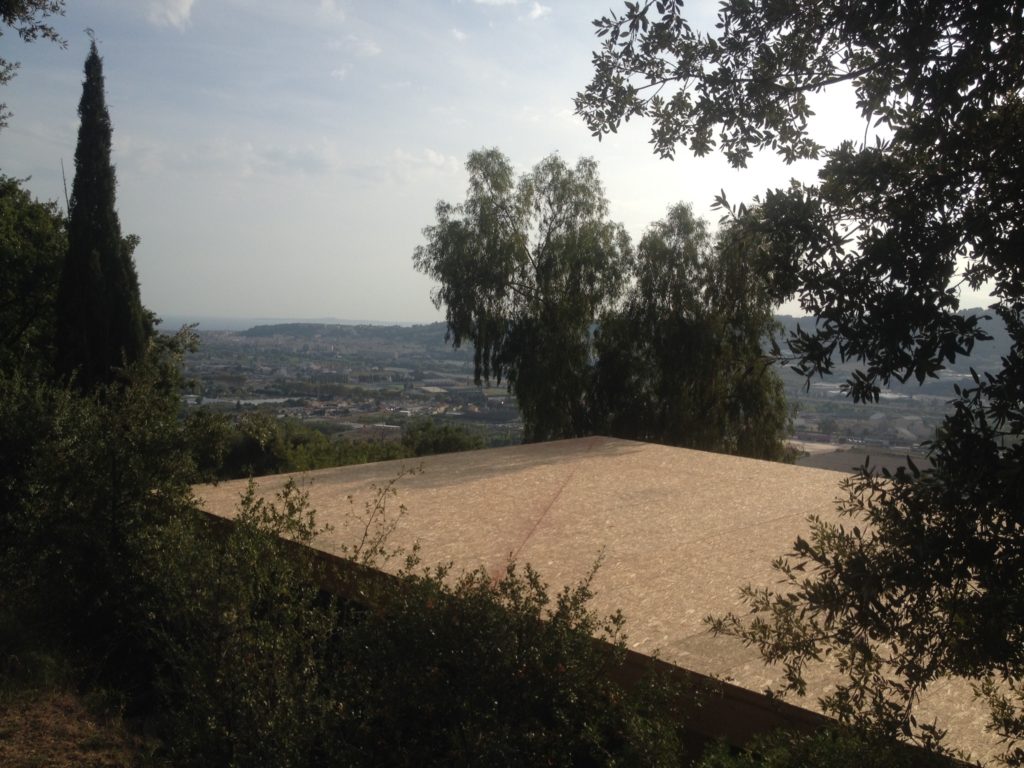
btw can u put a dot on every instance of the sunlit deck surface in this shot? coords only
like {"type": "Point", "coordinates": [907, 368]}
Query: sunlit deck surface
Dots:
{"type": "Point", "coordinates": [679, 531]}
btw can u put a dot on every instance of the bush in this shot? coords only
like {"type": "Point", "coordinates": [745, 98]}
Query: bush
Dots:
{"type": "Point", "coordinates": [424, 437]}
{"type": "Point", "coordinates": [834, 747]}
{"type": "Point", "coordinates": [425, 669]}
{"type": "Point", "coordinates": [243, 637]}
{"type": "Point", "coordinates": [485, 672]}
{"type": "Point", "coordinates": [92, 477]}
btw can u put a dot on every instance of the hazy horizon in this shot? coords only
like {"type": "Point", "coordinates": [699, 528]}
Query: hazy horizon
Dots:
{"type": "Point", "coordinates": [299, 184]}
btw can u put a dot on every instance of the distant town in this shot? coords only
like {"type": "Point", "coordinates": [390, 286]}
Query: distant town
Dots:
{"type": "Point", "coordinates": [365, 382]}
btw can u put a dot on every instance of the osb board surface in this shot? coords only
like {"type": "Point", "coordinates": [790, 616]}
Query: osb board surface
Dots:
{"type": "Point", "coordinates": [679, 532]}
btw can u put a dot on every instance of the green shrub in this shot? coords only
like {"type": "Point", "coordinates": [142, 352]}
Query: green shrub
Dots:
{"type": "Point", "coordinates": [243, 637]}
{"type": "Point", "coordinates": [833, 747]}
{"type": "Point", "coordinates": [425, 669]}
{"type": "Point", "coordinates": [477, 671]}
{"type": "Point", "coordinates": [425, 437]}
{"type": "Point", "coordinates": [92, 478]}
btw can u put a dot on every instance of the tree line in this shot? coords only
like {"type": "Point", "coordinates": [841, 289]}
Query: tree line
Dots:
{"type": "Point", "coordinates": [665, 342]}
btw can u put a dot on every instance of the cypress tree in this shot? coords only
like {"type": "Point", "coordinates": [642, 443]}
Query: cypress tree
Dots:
{"type": "Point", "coordinates": [101, 324]}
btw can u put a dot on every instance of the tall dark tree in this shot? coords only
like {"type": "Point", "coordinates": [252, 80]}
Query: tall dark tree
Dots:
{"type": "Point", "coordinates": [101, 324]}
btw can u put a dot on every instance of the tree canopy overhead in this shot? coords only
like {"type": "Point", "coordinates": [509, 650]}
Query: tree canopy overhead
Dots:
{"type": "Point", "coordinates": [938, 60]}
{"type": "Point", "coordinates": [28, 19]}
{"type": "Point", "coordinates": [879, 242]}
{"type": "Point", "coordinates": [877, 251]}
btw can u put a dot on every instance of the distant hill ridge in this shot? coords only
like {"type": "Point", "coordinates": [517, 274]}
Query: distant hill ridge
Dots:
{"type": "Point", "coordinates": [430, 333]}
{"type": "Point", "coordinates": [986, 355]}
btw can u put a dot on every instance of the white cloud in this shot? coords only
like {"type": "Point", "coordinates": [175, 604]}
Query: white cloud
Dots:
{"type": "Point", "coordinates": [538, 11]}
{"type": "Point", "coordinates": [231, 156]}
{"type": "Point", "coordinates": [340, 73]}
{"type": "Point", "coordinates": [496, 2]}
{"type": "Point", "coordinates": [362, 46]}
{"type": "Point", "coordinates": [170, 13]}
{"type": "Point", "coordinates": [405, 165]}
{"type": "Point", "coordinates": [332, 10]}
{"type": "Point", "coordinates": [458, 34]}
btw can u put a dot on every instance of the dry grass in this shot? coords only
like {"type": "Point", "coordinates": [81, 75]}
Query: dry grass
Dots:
{"type": "Point", "coordinates": [57, 729]}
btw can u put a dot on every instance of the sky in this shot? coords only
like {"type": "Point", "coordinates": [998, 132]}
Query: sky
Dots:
{"type": "Point", "coordinates": [281, 159]}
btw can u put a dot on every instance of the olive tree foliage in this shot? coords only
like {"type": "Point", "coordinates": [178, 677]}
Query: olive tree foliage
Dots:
{"type": "Point", "coordinates": [873, 249]}
{"type": "Point", "coordinates": [28, 19]}
{"type": "Point", "coordinates": [681, 362]}
{"type": "Point", "coordinates": [525, 266]}
{"type": "Point", "coordinates": [926, 579]}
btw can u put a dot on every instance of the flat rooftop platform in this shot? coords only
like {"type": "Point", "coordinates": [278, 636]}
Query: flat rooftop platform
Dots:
{"type": "Point", "coordinates": [680, 532]}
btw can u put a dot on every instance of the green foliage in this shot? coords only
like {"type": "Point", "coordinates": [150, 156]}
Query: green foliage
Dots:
{"type": "Point", "coordinates": [873, 248]}
{"type": "Point", "coordinates": [525, 266]}
{"type": "Point", "coordinates": [207, 436]}
{"type": "Point", "coordinates": [101, 325]}
{"type": "Point", "coordinates": [426, 669]}
{"type": "Point", "coordinates": [32, 247]}
{"type": "Point", "coordinates": [833, 747]}
{"type": "Point", "coordinates": [660, 345]}
{"type": "Point", "coordinates": [926, 580]}
{"type": "Point", "coordinates": [489, 671]}
{"type": "Point", "coordinates": [256, 443]}
{"type": "Point", "coordinates": [682, 361]}
{"type": "Point", "coordinates": [242, 637]}
{"type": "Point", "coordinates": [425, 437]}
{"type": "Point", "coordinates": [89, 478]}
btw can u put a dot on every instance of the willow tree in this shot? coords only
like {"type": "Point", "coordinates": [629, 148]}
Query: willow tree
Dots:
{"type": "Point", "coordinates": [683, 360]}
{"type": "Point", "coordinates": [525, 267]}
{"type": "Point", "coordinates": [101, 325]}
{"type": "Point", "coordinates": [661, 345]}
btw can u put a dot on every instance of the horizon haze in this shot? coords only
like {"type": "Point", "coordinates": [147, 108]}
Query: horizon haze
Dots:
{"type": "Point", "coordinates": [282, 161]}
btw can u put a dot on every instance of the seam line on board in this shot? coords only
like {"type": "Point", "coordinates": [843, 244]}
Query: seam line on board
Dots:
{"type": "Point", "coordinates": [547, 509]}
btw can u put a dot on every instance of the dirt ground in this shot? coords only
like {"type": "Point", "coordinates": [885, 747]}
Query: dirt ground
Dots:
{"type": "Point", "coordinates": [55, 729]}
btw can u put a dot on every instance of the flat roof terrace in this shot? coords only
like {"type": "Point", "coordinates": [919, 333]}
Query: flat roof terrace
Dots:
{"type": "Point", "coordinates": [680, 531]}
